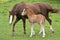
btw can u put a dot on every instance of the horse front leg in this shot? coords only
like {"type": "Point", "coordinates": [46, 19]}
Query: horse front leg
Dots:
{"type": "Point", "coordinates": [13, 31]}
{"type": "Point", "coordinates": [24, 25]}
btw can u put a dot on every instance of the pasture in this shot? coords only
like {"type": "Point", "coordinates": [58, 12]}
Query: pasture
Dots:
{"type": "Point", "coordinates": [6, 29]}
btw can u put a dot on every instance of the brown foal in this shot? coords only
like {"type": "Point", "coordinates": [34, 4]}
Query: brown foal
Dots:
{"type": "Point", "coordinates": [33, 18]}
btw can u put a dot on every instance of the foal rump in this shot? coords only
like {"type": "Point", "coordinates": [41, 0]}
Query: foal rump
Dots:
{"type": "Point", "coordinates": [33, 18]}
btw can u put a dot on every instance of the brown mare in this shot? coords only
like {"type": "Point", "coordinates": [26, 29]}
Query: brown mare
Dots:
{"type": "Point", "coordinates": [33, 18]}
{"type": "Point", "coordinates": [38, 8]}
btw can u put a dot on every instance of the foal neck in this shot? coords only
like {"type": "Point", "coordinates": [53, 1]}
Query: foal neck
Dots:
{"type": "Point", "coordinates": [30, 12]}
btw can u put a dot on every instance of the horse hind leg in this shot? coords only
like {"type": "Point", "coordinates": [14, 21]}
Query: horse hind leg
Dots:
{"type": "Point", "coordinates": [50, 22]}
{"type": "Point", "coordinates": [51, 29]}
{"type": "Point", "coordinates": [13, 31]}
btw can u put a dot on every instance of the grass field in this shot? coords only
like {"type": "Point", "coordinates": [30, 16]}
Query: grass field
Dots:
{"type": "Point", "coordinates": [5, 29]}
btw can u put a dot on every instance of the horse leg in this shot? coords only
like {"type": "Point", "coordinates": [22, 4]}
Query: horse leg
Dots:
{"type": "Point", "coordinates": [24, 25]}
{"type": "Point", "coordinates": [32, 31]}
{"type": "Point", "coordinates": [50, 22]}
{"type": "Point", "coordinates": [42, 28]}
{"type": "Point", "coordinates": [17, 19]}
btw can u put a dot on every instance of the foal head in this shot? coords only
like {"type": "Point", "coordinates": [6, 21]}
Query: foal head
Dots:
{"type": "Point", "coordinates": [11, 17]}
{"type": "Point", "coordinates": [27, 11]}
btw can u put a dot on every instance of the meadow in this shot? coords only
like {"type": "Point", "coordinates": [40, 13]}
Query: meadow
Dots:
{"type": "Point", "coordinates": [6, 29]}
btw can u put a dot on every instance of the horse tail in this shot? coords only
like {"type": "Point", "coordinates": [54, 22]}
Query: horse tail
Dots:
{"type": "Point", "coordinates": [55, 10]}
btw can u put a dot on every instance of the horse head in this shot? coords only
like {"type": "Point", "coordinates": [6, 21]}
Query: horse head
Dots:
{"type": "Point", "coordinates": [11, 17]}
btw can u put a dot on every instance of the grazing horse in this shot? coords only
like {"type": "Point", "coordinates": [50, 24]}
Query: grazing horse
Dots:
{"type": "Point", "coordinates": [33, 18]}
{"type": "Point", "coordinates": [38, 8]}
{"type": "Point", "coordinates": [16, 11]}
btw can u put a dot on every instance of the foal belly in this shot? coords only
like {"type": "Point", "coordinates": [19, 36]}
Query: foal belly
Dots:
{"type": "Point", "coordinates": [36, 19]}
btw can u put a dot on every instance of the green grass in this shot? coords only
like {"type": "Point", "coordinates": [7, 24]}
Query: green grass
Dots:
{"type": "Point", "coordinates": [5, 29]}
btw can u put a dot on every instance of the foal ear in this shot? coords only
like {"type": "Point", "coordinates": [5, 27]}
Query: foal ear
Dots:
{"type": "Point", "coordinates": [26, 7]}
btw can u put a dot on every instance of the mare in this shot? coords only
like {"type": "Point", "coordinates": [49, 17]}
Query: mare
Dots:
{"type": "Point", "coordinates": [38, 8]}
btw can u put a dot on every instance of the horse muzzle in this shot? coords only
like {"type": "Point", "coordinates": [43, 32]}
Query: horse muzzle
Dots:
{"type": "Point", "coordinates": [10, 21]}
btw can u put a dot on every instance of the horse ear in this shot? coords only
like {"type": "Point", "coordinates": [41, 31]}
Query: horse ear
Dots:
{"type": "Point", "coordinates": [9, 11]}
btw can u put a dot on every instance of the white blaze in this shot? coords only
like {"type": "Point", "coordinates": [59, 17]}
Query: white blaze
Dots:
{"type": "Point", "coordinates": [23, 12]}
{"type": "Point", "coordinates": [10, 19]}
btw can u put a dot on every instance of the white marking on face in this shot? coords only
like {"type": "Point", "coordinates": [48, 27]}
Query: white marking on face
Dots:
{"type": "Point", "coordinates": [23, 13]}
{"type": "Point", "coordinates": [10, 19]}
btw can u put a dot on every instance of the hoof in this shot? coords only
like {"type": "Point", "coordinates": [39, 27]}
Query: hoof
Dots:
{"type": "Point", "coordinates": [40, 33]}
{"type": "Point", "coordinates": [13, 33]}
{"type": "Point", "coordinates": [52, 31]}
{"type": "Point", "coordinates": [30, 36]}
{"type": "Point", "coordinates": [33, 33]}
{"type": "Point", "coordinates": [25, 33]}
{"type": "Point", "coordinates": [43, 36]}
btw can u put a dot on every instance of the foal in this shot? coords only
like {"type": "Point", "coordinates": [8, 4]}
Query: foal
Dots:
{"type": "Point", "coordinates": [33, 18]}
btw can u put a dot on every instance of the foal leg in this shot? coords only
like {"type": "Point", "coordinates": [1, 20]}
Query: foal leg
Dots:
{"type": "Point", "coordinates": [32, 31]}
{"type": "Point", "coordinates": [14, 25]}
{"type": "Point", "coordinates": [50, 22]}
{"type": "Point", "coordinates": [43, 31]}
{"type": "Point", "coordinates": [24, 25]}
{"type": "Point", "coordinates": [40, 31]}
{"type": "Point", "coordinates": [42, 28]}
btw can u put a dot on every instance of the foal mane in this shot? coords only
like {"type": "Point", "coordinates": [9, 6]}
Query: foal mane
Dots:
{"type": "Point", "coordinates": [29, 11]}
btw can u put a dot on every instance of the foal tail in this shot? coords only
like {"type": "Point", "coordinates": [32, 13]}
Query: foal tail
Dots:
{"type": "Point", "coordinates": [55, 10]}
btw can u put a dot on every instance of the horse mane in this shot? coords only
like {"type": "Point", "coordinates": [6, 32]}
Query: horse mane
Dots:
{"type": "Point", "coordinates": [18, 8]}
